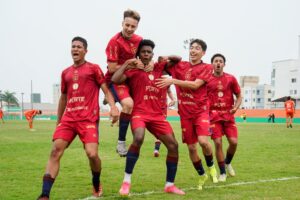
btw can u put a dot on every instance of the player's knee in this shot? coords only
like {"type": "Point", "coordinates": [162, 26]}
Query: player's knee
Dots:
{"type": "Point", "coordinates": [127, 105]}
{"type": "Point", "coordinates": [192, 149]}
{"type": "Point", "coordinates": [218, 144]}
{"type": "Point", "coordinates": [173, 147]}
{"type": "Point", "coordinates": [56, 152]}
{"type": "Point", "coordinates": [233, 142]}
{"type": "Point", "coordinates": [138, 140]}
{"type": "Point", "coordinates": [92, 155]}
{"type": "Point", "coordinates": [204, 144]}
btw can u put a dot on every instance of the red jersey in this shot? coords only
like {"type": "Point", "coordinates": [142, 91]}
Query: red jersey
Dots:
{"type": "Point", "coordinates": [1, 113]}
{"type": "Point", "coordinates": [191, 102]}
{"type": "Point", "coordinates": [221, 91]}
{"type": "Point", "coordinates": [120, 49]}
{"type": "Point", "coordinates": [144, 92]}
{"type": "Point", "coordinates": [30, 113]}
{"type": "Point", "coordinates": [82, 84]}
{"type": "Point", "coordinates": [289, 106]}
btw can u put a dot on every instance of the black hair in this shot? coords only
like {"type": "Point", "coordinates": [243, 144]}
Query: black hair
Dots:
{"type": "Point", "coordinates": [288, 97]}
{"type": "Point", "coordinates": [144, 42]}
{"type": "Point", "coordinates": [200, 42]}
{"type": "Point", "coordinates": [218, 55]}
{"type": "Point", "coordinates": [40, 111]}
{"type": "Point", "coordinates": [81, 39]}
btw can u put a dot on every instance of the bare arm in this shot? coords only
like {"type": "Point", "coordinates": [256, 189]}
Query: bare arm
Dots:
{"type": "Point", "coordinates": [61, 107]}
{"type": "Point", "coordinates": [114, 112]}
{"type": "Point", "coordinates": [113, 66]}
{"type": "Point", "coordinates": [237, 103]}
{"type": "Point", "coordinates": [119, 76]}
{"type": "Point", "coordinates": [171, 96]}
{"type": "Point", "coordinates": [171, 60]}
{"type": "Point", "coordinates": [165, 82]}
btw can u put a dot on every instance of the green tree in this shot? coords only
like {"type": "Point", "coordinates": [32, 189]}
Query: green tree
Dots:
{"type": "Point", "coordinates": [9, 98]}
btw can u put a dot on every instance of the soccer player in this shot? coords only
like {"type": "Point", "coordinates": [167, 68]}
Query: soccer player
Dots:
{"type": "Point", "coordinates": [190, 79]}
{"type": "Point", "coordinates": [1, 116]}
{"type": "Point", "coordinates": [165, 105]}
{"type": "Point", "coordinates": [222, 88]}
{"type": "Point", "coordinates": [78, 114]}
{"type": "Point", "coordinates": [289, 106]}
{"type": "Point", "coordinates": [29, 115]}
{"type": "Point", "coordinates": [120, 48]}
{"type": "Point", "coordinates": [147, 114]}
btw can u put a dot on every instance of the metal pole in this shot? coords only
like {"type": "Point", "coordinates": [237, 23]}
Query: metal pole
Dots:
{"type": "Point", "coordinates": [1, 97]}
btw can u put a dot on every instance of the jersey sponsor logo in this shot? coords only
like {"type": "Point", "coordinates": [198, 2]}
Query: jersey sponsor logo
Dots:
{"type": "Point", "coordinates": [91, 126]}
{"type": "Point", "coordinates": [151, 77]}
{"type": "Point", "coordinates": [75, 86]}
{"type": "Point", "coordinates": [76, 99]}
{"type": "Point", "coordinates": [133, 50]}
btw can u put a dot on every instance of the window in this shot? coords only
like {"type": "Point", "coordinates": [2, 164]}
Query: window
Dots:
{"type": "Point", "coordinates": [257, 92]}
{"type": "Point", "coordinates": [294, 80]}
{"type": "Point", "coordinates": [246, 92]}
{"type": "Point", "coordinates": [269, 91]}
{"type": "Point", "coordinates": [295, 91]}
{"type": "Point", "coordinates": [258, 100]}
{"type": "Point", "coordinates": [269, 99]}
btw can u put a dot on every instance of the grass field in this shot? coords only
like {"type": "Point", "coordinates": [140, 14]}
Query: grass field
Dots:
{"type": "Point", "coordinates": [267, 164]}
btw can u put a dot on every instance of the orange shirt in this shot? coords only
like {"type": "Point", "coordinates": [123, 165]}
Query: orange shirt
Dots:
{"type": "Point", "coordinates": [30, 113]}
{"type": "Point", "coordinates": [1, 113]}
{"type": "Point", "coordinates": [289, 106]}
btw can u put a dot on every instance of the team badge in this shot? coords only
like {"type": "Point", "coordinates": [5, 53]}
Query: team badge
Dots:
{"type": "Point", "coordinates": [220, 94]}
{"type": "Point", "coordinates": [151, 77]}
{"type": "Point", "coordinates": [75, 86]}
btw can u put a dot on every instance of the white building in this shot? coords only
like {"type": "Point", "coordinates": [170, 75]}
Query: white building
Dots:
{"type": "Point", "coordinates": [56, 93]}
{"type": "Point", "coordinates": [255, 96]}
{"type": "Point", "coordinates": [285, 78]}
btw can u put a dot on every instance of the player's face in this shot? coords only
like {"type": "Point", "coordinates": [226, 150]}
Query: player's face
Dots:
{"type": "Point", "coordinates": [218, 64]}
{"type": "Point", "coordinates": [78, 51]}
{"type": "Point", "coordinates": [146, 54]}
{"type": "Point", "coordinates": [129, 27]}
{"type": "Point", "coordinates": [196, 53]}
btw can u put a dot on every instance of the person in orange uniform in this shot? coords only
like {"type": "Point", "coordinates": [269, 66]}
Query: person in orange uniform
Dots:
{"type": "Point", "coordinates": [30, 114]}
{"type": "Point", "coordinates": [1, 115]}
{"type": "Point", "coordinates": [289, 106]}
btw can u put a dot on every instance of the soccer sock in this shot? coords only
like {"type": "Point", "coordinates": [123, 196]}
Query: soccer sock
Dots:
{"type": "Point", "coordinates": [222, 167]}
{"type": "Point", "coordinates": [30, 125]}
{"type": "Point", "coordinates": [199, 168]}
{"type": "Point", "coordinates": [127, 178]}
{"type": "Point", "coordinates": [96, 180]}
{"type": "Point", "coordinates": [47, 185]}
{"type": "Point", "coordinates": [228, 158]}
{"type": "Point", "coordinates": [209, 160]}
{"type": "Point", "coordinates": [131, 158]}
{"type": "Point", "coordinates": [157, 145]}
{"type": "Point", "coordinates": [171, 163]}
{"type": "Point", "coordinates": [123, 125]}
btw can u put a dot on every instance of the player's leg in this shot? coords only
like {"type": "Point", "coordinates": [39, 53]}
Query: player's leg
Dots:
{"type": "Point", "coordinates": [171, 162]}
{"type": "Point", "coordinates": [156, 148]}
{"type": "Point", "coordinates": [91, 150]}
{"type": "Point", "coordinates": [125, 116]}
{"type": "Point", "coordinates": [202, 129]}
{"type": "Point", "coordinates": [131, 158]}
{"type": "Point", "coordinates": [291, 120]}
{"type": "Point", "coordinates": [52, 168]}
{"type": "Point", "coordinates": [217, 133]}
{"type": "Point", "coordinates": [232, 137]}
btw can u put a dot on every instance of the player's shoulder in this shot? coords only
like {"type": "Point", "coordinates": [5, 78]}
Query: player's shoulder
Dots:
{"type": "Point", "coordinates": [136, 38]}
{"type": "Point", "coordinates": [67, 69]}
{"type": "Point", "coordinates": [229, 76]}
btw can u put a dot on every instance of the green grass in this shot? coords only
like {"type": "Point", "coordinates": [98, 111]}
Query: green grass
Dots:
{"type": "Point", "coordinates": [265, 152]}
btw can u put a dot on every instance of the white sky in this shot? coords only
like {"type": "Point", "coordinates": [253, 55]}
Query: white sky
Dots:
{"type": "Point", "coordinates": [36, 34]}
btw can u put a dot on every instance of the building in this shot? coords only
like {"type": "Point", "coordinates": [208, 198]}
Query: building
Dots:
{"type": "Point", "coordinates": [255, 96]}
{"type": "Point", "coordinates": [285, 78]}
{"type": "Point", "coordinates": [36, 98]}
{"type": "Point", "coordinates": [56, 93]}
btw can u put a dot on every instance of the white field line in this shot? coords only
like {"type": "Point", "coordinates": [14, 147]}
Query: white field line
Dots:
{"type": "Point", "coordinates": [205, 187]}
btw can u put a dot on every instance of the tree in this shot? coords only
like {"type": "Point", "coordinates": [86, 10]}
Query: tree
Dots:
{"type": "Point", "coordinates": [9, 98]}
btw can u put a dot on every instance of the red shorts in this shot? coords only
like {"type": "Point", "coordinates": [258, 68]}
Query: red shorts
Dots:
{"type": "Point", "coordinates": [192, 128]}
{"type": "Point", "coordinates": [220, 128]}
{"type": "Point", "coordinates": [119, 92]}
{"type": "Point", "coordinates": [87, 131]}
{"type": "Point", "coordinates": [290, 114]}
{"type": "Point", "coordinates": [155, 124]}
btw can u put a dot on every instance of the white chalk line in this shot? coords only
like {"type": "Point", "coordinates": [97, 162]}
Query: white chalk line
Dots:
{"type": "Point", "coordinates": [204, 187]}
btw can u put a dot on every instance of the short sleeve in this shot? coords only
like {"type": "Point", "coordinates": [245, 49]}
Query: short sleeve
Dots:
{"type": "Point", "coordinates": [235, 86]}
{"type": "Point", "coordinates": [99, 76]}
{"type": "Point", "coordinates": [205, 73]}
{"type": "Point", "coordinates": [112, 51]}
{"type": "Point", "coordinates": [63, 85]}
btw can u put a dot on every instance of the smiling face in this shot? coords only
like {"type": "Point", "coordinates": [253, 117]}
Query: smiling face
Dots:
{"type": "Point", "coordinates": [78, 52]}
{"type": "Point", "coordinates": [218, 64]}
{"type": "Point", "coordinates": [196, 53]}
{"type": "Point", "coordinates": [129, 27]}
{"type": "Point", "coordinates": [146, 54]}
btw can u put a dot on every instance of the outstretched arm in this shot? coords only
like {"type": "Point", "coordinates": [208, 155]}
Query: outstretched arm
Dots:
{"type": "Point", "coordinates": [165, 82]}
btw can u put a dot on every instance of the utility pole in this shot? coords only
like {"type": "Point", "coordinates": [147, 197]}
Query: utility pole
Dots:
{"type": "Point", "coordinates": [22, 109]}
